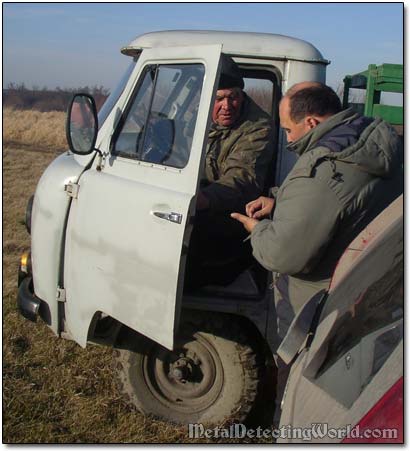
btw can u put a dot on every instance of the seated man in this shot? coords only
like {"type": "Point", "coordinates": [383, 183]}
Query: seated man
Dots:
{"type": "Point", "coordinates": [238, 158]}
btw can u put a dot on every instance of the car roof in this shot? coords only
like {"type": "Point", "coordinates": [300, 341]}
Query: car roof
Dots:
{"type": "Point", "coordinates": [266, 45]}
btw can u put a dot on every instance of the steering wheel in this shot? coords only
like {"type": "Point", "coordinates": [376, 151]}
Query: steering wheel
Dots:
{"type": "Point", "coordinates": [159, 138]}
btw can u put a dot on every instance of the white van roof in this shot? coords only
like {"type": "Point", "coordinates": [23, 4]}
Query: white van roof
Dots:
{"type": "Point", "coordinates": [265, 45]}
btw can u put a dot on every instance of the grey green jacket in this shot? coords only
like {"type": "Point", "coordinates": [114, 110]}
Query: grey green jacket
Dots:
{"type": "Point", "coordinates": [238, 159]}
{"type": "Point", "coordinates": [349, 169]}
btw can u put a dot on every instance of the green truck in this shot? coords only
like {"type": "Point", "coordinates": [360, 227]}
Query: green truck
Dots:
{"type": "Point", "coordinates": [375, 80]}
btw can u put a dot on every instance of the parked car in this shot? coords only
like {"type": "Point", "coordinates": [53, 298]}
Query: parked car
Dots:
{"type": "Point", "coordinates": [348, 374]}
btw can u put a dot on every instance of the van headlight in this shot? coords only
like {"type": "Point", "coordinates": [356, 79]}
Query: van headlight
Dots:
{"type": "Point", "coordinates": [29, 209]}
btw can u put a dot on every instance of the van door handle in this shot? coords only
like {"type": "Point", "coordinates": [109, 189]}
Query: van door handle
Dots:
{"type": "Point", "coordinates": [173, 217]}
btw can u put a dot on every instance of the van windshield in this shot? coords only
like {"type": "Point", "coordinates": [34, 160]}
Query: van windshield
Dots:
{"type": "Point", "coordinates": [115, 94]}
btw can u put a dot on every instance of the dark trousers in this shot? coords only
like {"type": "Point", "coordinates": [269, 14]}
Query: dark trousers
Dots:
{"type": "Point", "coordinates": [217, 251]}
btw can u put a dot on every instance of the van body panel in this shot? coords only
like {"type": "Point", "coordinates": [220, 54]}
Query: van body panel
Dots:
{"type": "Point", "coordinates": [47, 225]}
{"type": "Point", "coordinates": [294, 72]}
{"type": "Point", "coordinates": [122, 254]}
{"type": "Point", "coordinates": [267, 45]}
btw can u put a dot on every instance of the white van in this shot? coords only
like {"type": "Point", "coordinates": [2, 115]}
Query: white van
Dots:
{"type": "Point", "coordinates": [110, 227]}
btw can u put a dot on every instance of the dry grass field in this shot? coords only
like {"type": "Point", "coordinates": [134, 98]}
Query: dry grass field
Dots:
{"type": "Point", "coordinates": [33, 128]}
{"type": "Point", "coordinates": [53, 390]}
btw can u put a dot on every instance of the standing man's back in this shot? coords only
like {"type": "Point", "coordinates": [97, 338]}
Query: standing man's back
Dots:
{"type": "Point", "coordinates": [349, 169]}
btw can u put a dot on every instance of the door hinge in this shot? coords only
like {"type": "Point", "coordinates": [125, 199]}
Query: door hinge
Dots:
{"type": "Point", "coordinates": [72, 189]}
{"type": "Point", "coordinates": [61, 294]}
{"type": "Point", "coordinates": [101, 161]}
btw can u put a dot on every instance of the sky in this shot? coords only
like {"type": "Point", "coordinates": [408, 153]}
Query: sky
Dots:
{"type": "Point", "coordinates": [71, 45]}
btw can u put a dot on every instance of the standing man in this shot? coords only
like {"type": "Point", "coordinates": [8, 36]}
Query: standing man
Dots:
{"type": "Point", "coordinates": [349, 170]}
{"type": "Point", "coordinates": [238, 158]}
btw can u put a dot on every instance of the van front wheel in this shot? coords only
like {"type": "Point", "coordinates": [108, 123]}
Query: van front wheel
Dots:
{"type": "Point", "coordinates": [211, 376]}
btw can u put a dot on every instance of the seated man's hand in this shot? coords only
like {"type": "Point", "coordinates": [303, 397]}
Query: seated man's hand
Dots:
{"type": "Point", "coordinates": [248, 223]}
{"type": "Point", "coordinates": [261, 207]}
{"type": "Point", "coordinates": [202, 202]}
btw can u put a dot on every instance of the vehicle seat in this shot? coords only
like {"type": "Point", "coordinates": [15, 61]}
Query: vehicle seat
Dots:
{"type": "Point", "coordinates": [250, 283]}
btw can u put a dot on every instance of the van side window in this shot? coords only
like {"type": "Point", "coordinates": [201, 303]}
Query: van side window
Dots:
{"type": "Point", "coordinates": [159, 124]}
{"type": "Point", "coordinates": [261, 91]}
{"type": "Point", "coordinates": [263, 87]}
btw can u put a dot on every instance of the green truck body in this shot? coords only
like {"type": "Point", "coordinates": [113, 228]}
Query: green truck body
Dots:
{"type": "Point", "coordinates": [375, 80]}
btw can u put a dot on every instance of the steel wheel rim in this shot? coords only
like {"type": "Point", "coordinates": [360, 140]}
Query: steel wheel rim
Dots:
{"type": "Point", "coordinates": [202, 375]}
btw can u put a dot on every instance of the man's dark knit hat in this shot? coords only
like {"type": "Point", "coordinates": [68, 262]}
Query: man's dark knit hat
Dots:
{"type": "Point", "coordinates": [231, 76]}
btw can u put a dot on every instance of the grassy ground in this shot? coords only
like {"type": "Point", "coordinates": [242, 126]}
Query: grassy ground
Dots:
{"type": "Point", "coordinates": [53, 390]}
{"type": "Point", "coordinates": [33, 128]}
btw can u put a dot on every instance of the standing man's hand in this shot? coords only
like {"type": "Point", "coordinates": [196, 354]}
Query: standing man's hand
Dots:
{"type": "Point", "coordinates": [261, 207]}
{"type": "Point", "coordinates": [248, 223]}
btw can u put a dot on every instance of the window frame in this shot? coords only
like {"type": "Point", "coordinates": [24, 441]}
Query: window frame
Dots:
{"type": "Point", "coordinates": [123, 118]}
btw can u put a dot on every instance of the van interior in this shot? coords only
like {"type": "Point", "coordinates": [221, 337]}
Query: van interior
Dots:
{"type": "Point", "coordinates": [262, 86]}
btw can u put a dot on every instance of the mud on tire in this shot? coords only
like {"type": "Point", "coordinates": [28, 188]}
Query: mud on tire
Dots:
{"type": "Point", "coordinates": [211, 377]}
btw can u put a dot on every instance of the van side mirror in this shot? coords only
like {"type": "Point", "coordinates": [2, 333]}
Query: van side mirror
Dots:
{"type": "Point", "coordinates": [82, 124]}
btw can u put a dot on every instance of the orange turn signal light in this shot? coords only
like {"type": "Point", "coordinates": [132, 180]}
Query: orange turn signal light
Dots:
{"type": "Point", "coordinates": [24, 261]}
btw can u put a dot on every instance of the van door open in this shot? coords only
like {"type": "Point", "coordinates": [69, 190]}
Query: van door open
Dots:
{"type": "Point", "coordinates": [126, 226]}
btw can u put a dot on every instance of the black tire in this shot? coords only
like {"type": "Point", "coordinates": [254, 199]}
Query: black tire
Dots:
{"type": "Point", "coordinates": [211, 377]}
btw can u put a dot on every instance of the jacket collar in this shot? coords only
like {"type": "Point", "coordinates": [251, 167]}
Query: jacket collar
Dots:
{"type": "Point", "coordinates": [308, 141]}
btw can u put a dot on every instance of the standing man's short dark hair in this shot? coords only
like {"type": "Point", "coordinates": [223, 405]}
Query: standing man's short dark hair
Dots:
{"type": "Point", "coordinates": [319, 100]}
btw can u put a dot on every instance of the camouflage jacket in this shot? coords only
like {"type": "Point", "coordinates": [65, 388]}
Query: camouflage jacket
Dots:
{"type": "Point", "coordinates": [238, 159]}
